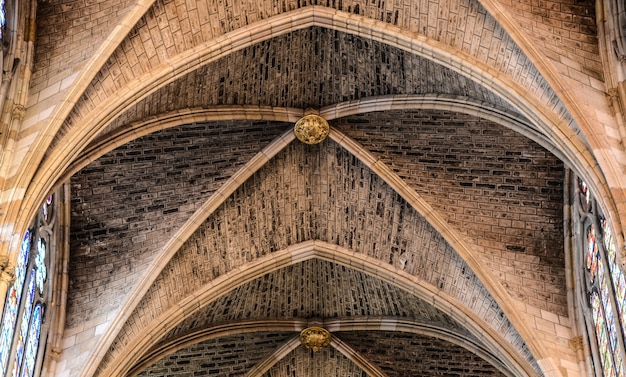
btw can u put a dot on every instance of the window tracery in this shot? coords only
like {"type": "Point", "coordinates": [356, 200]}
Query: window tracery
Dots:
{"type": "Point", "coordinates": [604, 286]}
{"type": "Point", "coordinates": [24, 314]}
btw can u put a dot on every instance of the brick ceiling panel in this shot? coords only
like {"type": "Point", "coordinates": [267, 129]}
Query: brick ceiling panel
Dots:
{"type": "Point", "coordinates": [227, 356]}
{"type": "Point", "coordinates": [341, 292]}
{"type": "Point", "coordinates": [500, 189]}
{"type": "Point", "coordinates": [298, 77]}
{"type": "Point", "coordinates": [69, 32]}
{"type": "Point", "coordinates": [354, 209]}
{"type": "Point", "coordinates": [562, 28]}
{"type": "Point", "coordinates": [396, 355]}
{"type": "Point", "coordinates": [169, 27]}
{"type": "Point", "coordinates": [127, 204]}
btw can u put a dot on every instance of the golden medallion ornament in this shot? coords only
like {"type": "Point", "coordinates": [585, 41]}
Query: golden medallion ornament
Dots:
{"type": "Point", "coordinates": [311, 128]}
{"type": "Point", "coordinates": [315, 338]}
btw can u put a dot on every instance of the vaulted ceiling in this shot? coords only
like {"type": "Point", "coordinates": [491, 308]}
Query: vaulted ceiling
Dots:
{"type": "Point", "coordinates": [280, 247]}
{"type": "Point", "coordinates": [428, 226]}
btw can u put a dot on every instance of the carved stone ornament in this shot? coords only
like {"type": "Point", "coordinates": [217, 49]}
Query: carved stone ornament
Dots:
{"type": "Point", "coordinates": [576, 343]}
{"type": "Point", "coordinates": [311, 129]}
{"type": "Point", "coordinates": [315, 338]}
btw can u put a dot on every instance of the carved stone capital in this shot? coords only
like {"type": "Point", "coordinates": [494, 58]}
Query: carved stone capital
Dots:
{"type": "Point", "coordinates": [6, 77]}
{"type": "Point", "coordinates": [576, 343]}
{"type": "Point", "coordinates": [7, 272]}
{"type": "Point", "coordinates": [18, 112]}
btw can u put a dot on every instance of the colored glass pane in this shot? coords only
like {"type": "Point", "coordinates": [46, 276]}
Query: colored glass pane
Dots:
{"type": "Point", "coordinates": [592, 253]}
{"type": "Point", "coordinates": [34, 333]}
{"type": "Point", "coordinates": [40, 264]}
{"type": "Point", "coordinates": [601, 336]}
{"type": "Point", "coordinates": [617, 277]}
{"type": "Point", "coordinates": [621, 299]}
{"type": "Point", "coordinates": [610, 322]}
{"type": "Point", "coordinates": [23, 333]}
{"type": "Point", "coordinates": [608, 307]}
{"type": "Point", "coordinates": [12, 304]}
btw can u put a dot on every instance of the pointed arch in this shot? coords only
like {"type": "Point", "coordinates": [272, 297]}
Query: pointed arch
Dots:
{"type": "Point", "coordinates": [553, 126]}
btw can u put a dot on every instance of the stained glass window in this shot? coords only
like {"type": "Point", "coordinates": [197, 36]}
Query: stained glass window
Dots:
{"type": "Point", "coordinates": [592, 253]}
{"type": "Point", "coordinates": [40, 264]}
{"type": "Point", "coordinates": [23, 333]}
{"type": "Point", "coordinates": [605, 286]}
{"type": "Point", "coordinates": [13, 301]}
{"type": "Point", "coordinates": [33, 342]}
{"type": "Point", "coordinates": [605, 353]}
{"type": "Point", "coordinates": [23, 316]}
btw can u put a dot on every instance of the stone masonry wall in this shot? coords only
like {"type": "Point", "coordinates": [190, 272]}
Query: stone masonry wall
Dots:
{"type": "Point", "coordinates": [566, 32]}
{"type": "Point", "coordinates": [69, 32]}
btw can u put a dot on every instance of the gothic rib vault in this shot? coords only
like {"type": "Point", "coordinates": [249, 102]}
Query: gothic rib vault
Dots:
{"type": "Point", "coordinates": [313, 184]}
{"type": "Point", "coordinates": [205, 237]}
